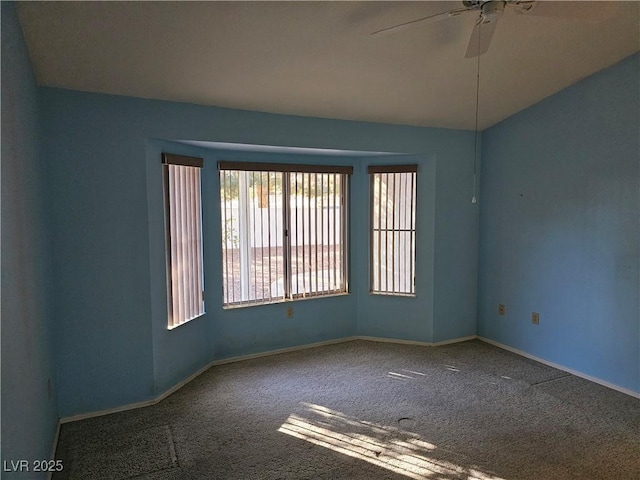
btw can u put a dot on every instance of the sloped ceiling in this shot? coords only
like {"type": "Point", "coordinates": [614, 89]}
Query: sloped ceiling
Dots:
{"type": "Point", "coordinates": [320, 59]}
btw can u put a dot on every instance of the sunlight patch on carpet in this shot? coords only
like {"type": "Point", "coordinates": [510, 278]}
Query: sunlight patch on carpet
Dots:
{"type": "Point", "coordinates": [394, 449]}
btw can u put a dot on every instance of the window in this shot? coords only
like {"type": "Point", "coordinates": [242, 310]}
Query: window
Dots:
{"type": "Point", "coordinates": [393, 229]}
{"type": "Point", "coordinates": [183, 223]}
{"type": "Point", "coordinates": [284, 231]}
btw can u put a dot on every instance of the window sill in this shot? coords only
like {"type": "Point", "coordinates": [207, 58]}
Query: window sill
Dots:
{"type": "Point", "coordinates": [285, 300]}
{"type": "Point", "coordinates": [186, 321]}
{"type": "Point", "coordinates": [389, 294]}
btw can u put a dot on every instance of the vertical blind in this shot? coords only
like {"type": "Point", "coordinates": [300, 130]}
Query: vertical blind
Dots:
{"type": "Point", "coordinates": [318, 234]}
{"type": "Point", "coordinates": [284, 231]}
{"type": "Point", "coordinates": [183, 220]}
{"type": "Point", "coordinates": [393, 229]}
{"type": "Point", "coordinates": [252, 236]}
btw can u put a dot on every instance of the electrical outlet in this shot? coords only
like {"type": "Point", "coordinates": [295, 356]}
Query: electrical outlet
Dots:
{"type": "Point", "coordinates": [289, 312]}
{"type": "Point", "coordinates": [535, 318]}
{"type": "Point", "coordinates": [502, 309]}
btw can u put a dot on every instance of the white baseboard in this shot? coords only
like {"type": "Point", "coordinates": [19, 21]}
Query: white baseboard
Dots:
{"type": "Point", "coordinates": [393, 340]}
{"type": "Point", "coordinates": [561, 367]}
{"type": "Point", "coordinates": [109, 411]}
{"type": "Point", "coordinates": [413, 342]}
{"type": "Point", "coordinates": [240, 358]}
{"type": "Point", "coordinates": [455, 340]}
{"type": "Point", "coordinates": [179, 385]}
{"type": "Point", "coordinates": [280, 350]}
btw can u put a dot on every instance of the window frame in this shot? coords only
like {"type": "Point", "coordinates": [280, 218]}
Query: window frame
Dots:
{"type": "Point", "coordinates": [374, 170]}
{"type": "Point", "coordinates": [196, 307]}
{"type": "Point", "coordinates": [287, 170]}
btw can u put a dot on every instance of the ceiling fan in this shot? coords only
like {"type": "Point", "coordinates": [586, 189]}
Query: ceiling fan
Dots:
{"type": "Point", "coordinates": [488, 12]}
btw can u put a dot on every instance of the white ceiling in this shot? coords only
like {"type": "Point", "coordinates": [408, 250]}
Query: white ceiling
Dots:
{"type": "Point", "coordinates": [319, 59]}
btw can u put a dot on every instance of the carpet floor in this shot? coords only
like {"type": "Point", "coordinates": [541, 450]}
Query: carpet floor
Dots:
{"type": "Point", "coordinates": [368, 410]}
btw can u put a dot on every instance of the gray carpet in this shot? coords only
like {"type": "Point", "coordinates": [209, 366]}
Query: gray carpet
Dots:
{"type": "Point", "coordinates": [368, 410]}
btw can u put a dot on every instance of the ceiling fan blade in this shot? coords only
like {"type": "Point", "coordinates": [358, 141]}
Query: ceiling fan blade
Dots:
{"type": "Point", "coordinates": [426, 20]}
{"type": "Point", "coordinates": [480, 38]}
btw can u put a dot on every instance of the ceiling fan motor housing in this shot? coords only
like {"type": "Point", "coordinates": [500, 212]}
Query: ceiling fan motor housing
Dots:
{"type": "Point", "coordinates": [492, 11]}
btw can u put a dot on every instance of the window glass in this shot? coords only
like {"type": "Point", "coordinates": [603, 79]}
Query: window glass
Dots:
{"type": "Point", "coordinates": [283, 233]}
{"type": "Point", "coordinates": [393, 231]}
{"type": "Point", "coordinates": [183, 220]}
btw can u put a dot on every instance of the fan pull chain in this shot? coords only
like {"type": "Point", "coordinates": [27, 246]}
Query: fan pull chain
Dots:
{"type": "Point", "coordinates": [474, 199]}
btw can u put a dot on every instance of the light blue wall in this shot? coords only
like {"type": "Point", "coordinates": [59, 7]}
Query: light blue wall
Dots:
{"type": "Point", "coordinates": [29, 416]}
{"type": "Point", "coordinates": [109, 274]}
{"type": "Point", "coordinates": [83, 259]}
{"type": "Point", "coordinates": [408, 318]}
{"type": "Point", "coordinates": [179, 352]}
{"type": "Point", "coordinates": [456, 239]}
{"type": "Point", "coordinates": [227, 333]}
{"type": "Point", "coordinates": [559, 227]}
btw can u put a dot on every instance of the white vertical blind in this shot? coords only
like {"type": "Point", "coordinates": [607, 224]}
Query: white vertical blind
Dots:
{"type": "Point", "coordinates": [185, 273]}
{"type": "Point", "coordinates": [318, 247]}
{"type": "Point", "coordinates": [393, 229]}
{"type": "Point", "coordinates": [253, 262]}
{"type": "Point", "coordinates": [292, 225]}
